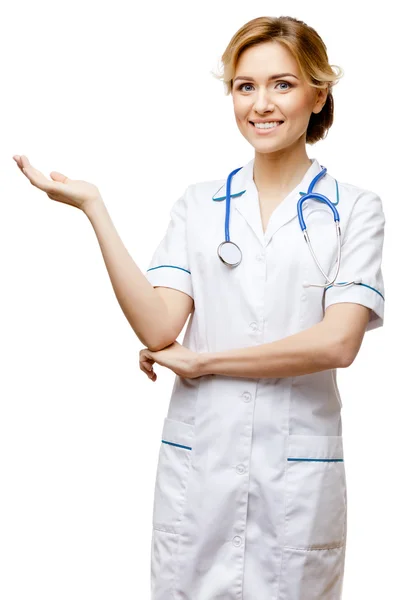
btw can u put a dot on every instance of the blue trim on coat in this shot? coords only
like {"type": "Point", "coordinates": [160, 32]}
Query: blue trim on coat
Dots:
{"type": "Point", "coordinates": [232, 196]}
{"type": "Point", "coordinates": [171, 266]}
{"type": "Point", "coordinates": [363, 284]}
{"type": "Point", "coordinates": [178, 445]}
{"type": "Point", "coordinates": [319, 459]}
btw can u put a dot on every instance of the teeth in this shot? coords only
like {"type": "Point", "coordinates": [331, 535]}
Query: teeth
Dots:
{"type": "Point", "coordinates": [266, 125]}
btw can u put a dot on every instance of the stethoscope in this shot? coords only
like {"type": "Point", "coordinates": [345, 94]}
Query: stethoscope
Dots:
{"type": "Point", "coordinates": [231, 255]}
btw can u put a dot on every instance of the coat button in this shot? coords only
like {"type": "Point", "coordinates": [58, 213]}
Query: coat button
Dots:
{"type": "Point", "coordinates": [237, 541]}
{"type": "Point", "coordinates": [259, 257]}
{"type": "Point", "coordinates": [304, 297]}
{"type": "Point", "coordinates": [254, 325]}
{"type": "Point", "coordinates": [246, 396]}
{"type": "Point", "coordinates": [240, 469]}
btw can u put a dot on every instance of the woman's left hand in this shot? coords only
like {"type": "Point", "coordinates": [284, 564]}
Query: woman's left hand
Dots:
{"type": "Point", "coordinates": [180, 360]}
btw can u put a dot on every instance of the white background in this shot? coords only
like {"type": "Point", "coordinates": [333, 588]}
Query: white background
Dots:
{"type": "Point", "coordinates": [122, 96]}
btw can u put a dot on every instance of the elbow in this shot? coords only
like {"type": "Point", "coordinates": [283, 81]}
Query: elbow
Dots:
{"type": "Point", "coordinates": [161, 342]}
{"type": "Point", "coordinates": [346, 361]}
{"type": "Point", "coordinates": [158, 346]}
{"type": "Point", "coordinates": [345, 355]}
{"type": "Point", "coordinates": [339, 355]}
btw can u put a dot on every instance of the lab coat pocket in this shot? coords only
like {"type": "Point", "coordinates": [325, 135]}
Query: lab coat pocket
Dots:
{"type": "Point", "coordinates": [316, 502]}
{"type": "Point", "coordinates": [172, 474]}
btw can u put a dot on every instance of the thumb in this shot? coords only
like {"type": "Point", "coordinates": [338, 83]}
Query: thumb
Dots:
{"type": "Point", "coordinates": [56, 176]}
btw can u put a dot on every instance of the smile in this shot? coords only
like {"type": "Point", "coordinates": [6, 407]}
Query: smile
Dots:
{"type": "Point", "coordinates": [266, 127]}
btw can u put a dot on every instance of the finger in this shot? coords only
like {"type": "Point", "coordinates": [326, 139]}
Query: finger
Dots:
{"type": "Point", "coordinates": [147, 364]}
{"type": "Point", "coordinates": [35, 177]}
{"type": "Point", "coordinates": [25, 163]}
{"type": "Point", "coordinates": [144, 370]}
{"type": "Point", "coordinates": [150, 374]}
{"type": "Point", "coordinates": [57, 176]}
{"type": "Point", "coordinates": [16, 158]}
{"type": "Point", "coordinates": [144, 356]}
{"type": "Point", "coordinates": [39, 180]}
{"type": "Point", "coordinates": [21, 161]}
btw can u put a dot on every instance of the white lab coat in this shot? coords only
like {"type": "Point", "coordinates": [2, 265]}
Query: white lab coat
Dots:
{"type": "Point", "coordinates": [235, 515]}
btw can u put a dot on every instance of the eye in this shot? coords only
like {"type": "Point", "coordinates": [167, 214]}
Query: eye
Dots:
{"type": "Point", "coordinates": [285, 82]}
{"type": "Point", "coordinates": [242, 85]}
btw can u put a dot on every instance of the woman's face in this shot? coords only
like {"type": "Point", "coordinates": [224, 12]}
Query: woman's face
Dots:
{"type": "Point", "coordinates": [261, 92]}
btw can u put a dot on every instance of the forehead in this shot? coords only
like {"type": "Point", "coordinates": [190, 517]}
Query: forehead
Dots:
{"type": "Point", "coordinates": [266, 58]}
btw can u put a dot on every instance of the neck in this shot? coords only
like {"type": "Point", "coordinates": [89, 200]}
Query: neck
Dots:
{"type": "Point", "coordinates": [278, 172]}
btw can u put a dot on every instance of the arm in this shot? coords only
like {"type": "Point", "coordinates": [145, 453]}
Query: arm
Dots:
{"type": "Point", "coordinates": [144, 307]}
{"type": "Point", "coordinates": [332, 343]}
{"type": "Point", "coordinates": [156, 316]}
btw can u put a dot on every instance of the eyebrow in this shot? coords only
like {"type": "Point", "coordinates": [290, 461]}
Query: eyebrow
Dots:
{"type": "Point", "coordinates": [243, 77]}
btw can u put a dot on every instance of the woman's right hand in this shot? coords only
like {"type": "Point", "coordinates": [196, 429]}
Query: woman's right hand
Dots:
{"type": "Point", "coordinates": [74, 192]}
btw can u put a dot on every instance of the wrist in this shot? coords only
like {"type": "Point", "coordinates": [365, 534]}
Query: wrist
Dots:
{"type": "Point", "coordinates": [203, 359]}
{"type": "Point", "coordinates": [93, 206]}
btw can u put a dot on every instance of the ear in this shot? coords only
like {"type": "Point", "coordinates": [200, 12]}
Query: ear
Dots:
{"type": "Point", "coordinates": [321, 98]}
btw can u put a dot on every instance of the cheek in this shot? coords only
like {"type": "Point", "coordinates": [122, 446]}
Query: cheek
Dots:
{"type": "Point", "coordinates": [240, 119]}
{"type": "Point", "coordinates": [298, 107]}
{"type": "Point", "coordinates": [240, 109]}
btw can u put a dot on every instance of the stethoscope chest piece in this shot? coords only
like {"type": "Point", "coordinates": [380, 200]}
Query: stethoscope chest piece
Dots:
{"type": "Point", "coordinates": [229, 253]}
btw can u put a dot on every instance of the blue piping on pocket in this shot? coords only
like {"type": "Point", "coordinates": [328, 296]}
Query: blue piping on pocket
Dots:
{"type": "Point", "coordinates": [171, 266]}
{"type": "Point", "coordinates": [318, 459]}
{"type": "Point", "coordinates": [178, 445]}
{"type": "Point", "coordinates": [365, 285]}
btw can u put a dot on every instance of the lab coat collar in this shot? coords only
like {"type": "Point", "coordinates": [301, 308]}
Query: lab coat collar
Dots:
{"type": "Point", "coordinates": [247, 202]}
{"type": "Point", "coordinates": [238, 182]}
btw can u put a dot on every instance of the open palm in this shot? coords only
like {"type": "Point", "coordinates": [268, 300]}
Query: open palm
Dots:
{"type": "Point", "coordinates": [74, 192]}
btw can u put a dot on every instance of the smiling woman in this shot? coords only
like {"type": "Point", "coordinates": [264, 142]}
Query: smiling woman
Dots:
{"type": "Point", "coordinates": [250, 493]}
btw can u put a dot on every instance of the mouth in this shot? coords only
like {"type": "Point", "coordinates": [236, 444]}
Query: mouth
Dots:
{"type": "Point", "coordinates": [265, 127]}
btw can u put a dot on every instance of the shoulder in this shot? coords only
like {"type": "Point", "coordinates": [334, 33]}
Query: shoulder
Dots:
{"type": "Point", "coordinates": [352, 197]}
{"type": "Point", "coordinates": [195, 192]}
{"type": "Point", "coordinates": [349, 190]}
{"type": "Point", "coordinates": [204, 190]}
{"type": "Point", "coordinates": [197, 203]}
{"type": "Point", "coordinates": [363, 215]}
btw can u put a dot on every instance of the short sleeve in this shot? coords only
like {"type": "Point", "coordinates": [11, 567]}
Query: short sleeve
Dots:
{"type": "Point", "coordinates": [361, 259]}
{"type": "Point", "coordinates": [169, 266]}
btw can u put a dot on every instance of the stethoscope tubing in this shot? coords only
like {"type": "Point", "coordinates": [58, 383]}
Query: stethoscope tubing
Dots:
{"type": "Point", "coordinates": [309, 195]}
{"type": "Point", "coordinates": [228, 202]}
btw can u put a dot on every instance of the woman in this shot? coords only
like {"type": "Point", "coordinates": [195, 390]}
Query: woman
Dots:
{"type": "Point", "coordinates": [250, 493]}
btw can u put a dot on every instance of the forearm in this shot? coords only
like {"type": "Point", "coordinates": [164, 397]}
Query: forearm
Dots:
{"type": "Point", "coordinates": [144, 309]}
{"type": "Point", "coordinates": [314, 349]}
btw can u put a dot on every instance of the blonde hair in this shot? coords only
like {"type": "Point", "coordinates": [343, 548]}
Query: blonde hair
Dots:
{"type": "Point", "coordinates": [307, 48]}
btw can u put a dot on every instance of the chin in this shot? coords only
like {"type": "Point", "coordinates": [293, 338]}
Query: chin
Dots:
{"type": "Point", "coordinates": [265, 148]}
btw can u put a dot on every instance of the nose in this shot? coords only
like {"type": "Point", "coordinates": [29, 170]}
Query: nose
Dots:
{"type": "Point", "coordinates": [263, 102]}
